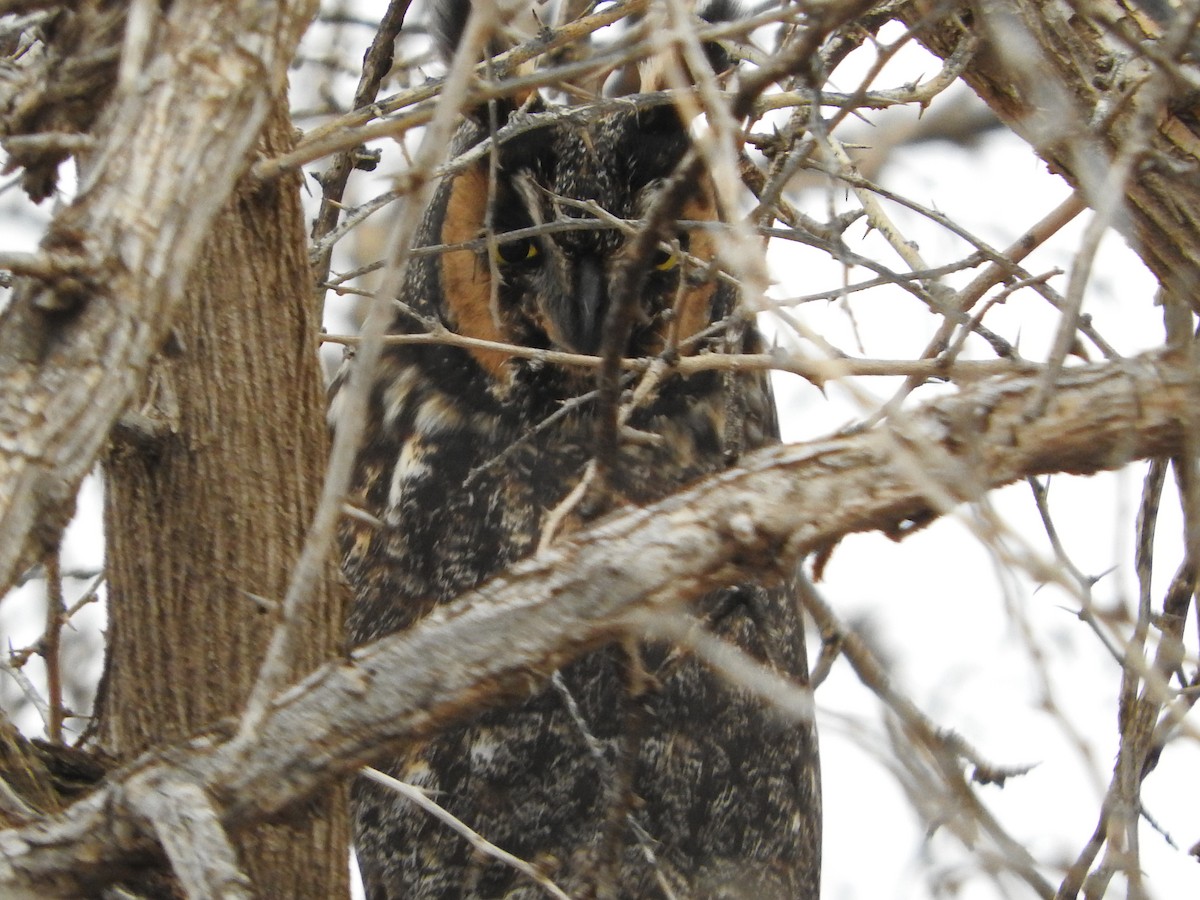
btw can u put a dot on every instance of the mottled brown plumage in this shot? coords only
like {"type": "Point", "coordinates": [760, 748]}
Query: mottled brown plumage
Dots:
{"type": "Point", "coordinates": [636, 773]}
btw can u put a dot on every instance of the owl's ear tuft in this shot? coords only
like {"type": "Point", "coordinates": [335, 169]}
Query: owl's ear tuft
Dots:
{"type": "Point", "coordinates": [447, 24]}
{"type": "Point", "coordinates": [651, 73]}
{"type": "Point", "coordinates": [661, 122]}
{"type": "Point", "coordinates": [447, 21]}
{"type": "Point", "coordinates": [714, 13]}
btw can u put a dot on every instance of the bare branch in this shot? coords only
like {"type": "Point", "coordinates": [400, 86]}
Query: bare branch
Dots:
{"type": "Point", "coordinates": [505, 639]}
{"type": "Point", "coordinates": [319, 540]}
{"type": "Point", "coordinates": [478, 841]}
{"type": "Point", "coordinates": [190, 832]}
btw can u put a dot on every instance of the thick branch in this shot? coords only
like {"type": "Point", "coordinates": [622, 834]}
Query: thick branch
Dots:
{"type": "Point", "coordinates": [74, 349]}
{"type": "Point", "coordinates": [1072, 80]}
{"type": "Point", "coordinates": [503, 640]}
{"type": "Point", "coordinates": [191, 834]}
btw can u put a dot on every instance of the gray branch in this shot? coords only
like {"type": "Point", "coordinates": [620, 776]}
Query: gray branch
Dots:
{"type": "Point", "coordinates": [499, 642]}
{"type": "Point", "coordinates": [191, 833]}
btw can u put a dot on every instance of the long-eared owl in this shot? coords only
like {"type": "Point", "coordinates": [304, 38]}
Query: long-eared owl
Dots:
{"type": "Point", "coordinates": [635, 772]}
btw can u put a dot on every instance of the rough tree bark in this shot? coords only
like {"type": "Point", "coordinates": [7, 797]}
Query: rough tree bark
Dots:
{"type": "Point", "coordinates": [76, 340]}
{"type": "Point", "coordinates": [208, 495]}
{"type": "Point", "coordinates": [559, 604]}
{"type": "Point", "coordinates": [212, 482]}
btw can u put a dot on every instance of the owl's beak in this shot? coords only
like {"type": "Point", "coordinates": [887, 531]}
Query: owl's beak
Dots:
{"type": "Point", "coordinates": [583, 322]}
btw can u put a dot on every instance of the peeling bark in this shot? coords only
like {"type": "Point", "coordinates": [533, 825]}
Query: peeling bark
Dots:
{"type": "Point", "coordinates": [207, 497]}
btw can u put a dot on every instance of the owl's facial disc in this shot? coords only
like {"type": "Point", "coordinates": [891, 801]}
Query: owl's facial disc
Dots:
{"type": "Point", "coordinates": [560, 293]}
{"type": "Point", "coordinates": [533, 263]}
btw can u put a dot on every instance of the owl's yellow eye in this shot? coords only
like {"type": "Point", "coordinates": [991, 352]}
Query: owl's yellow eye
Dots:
{"type": "Point", "coordinates": [664, 260]}
{"type": "Point", "coordinates": [512, 252]}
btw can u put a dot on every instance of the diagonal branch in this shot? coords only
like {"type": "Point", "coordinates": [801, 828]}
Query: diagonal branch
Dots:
{"type": "Point", "coordinates": [1066, 77]}
{"type": "Point", "coordinates": [502, 641]}
{"type": "Point", "coordinates": [481, 844]}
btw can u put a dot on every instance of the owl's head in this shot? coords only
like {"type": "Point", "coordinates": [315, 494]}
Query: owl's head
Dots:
{"type": "Point", "coordinates": [541, 226]}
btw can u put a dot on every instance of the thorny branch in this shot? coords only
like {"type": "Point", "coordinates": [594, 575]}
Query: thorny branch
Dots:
{"type": "Point", "coordinates": [319, 540]}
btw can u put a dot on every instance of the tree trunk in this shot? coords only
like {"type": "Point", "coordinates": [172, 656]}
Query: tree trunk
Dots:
{"type": "Point", "coordinates": [209, 490]}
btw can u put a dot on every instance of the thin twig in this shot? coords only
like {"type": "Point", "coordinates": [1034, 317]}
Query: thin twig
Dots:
{"type": "Point", "coordinates": [51, 646]}
{"type": "Point", "coordinates": [738, 667]}
{"type": "Point", "coordinates": [948, 750]}
{"type": "Point", "coordinates": [476, 840]}
{"type": "Point", "coordinates": [376, 64]}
